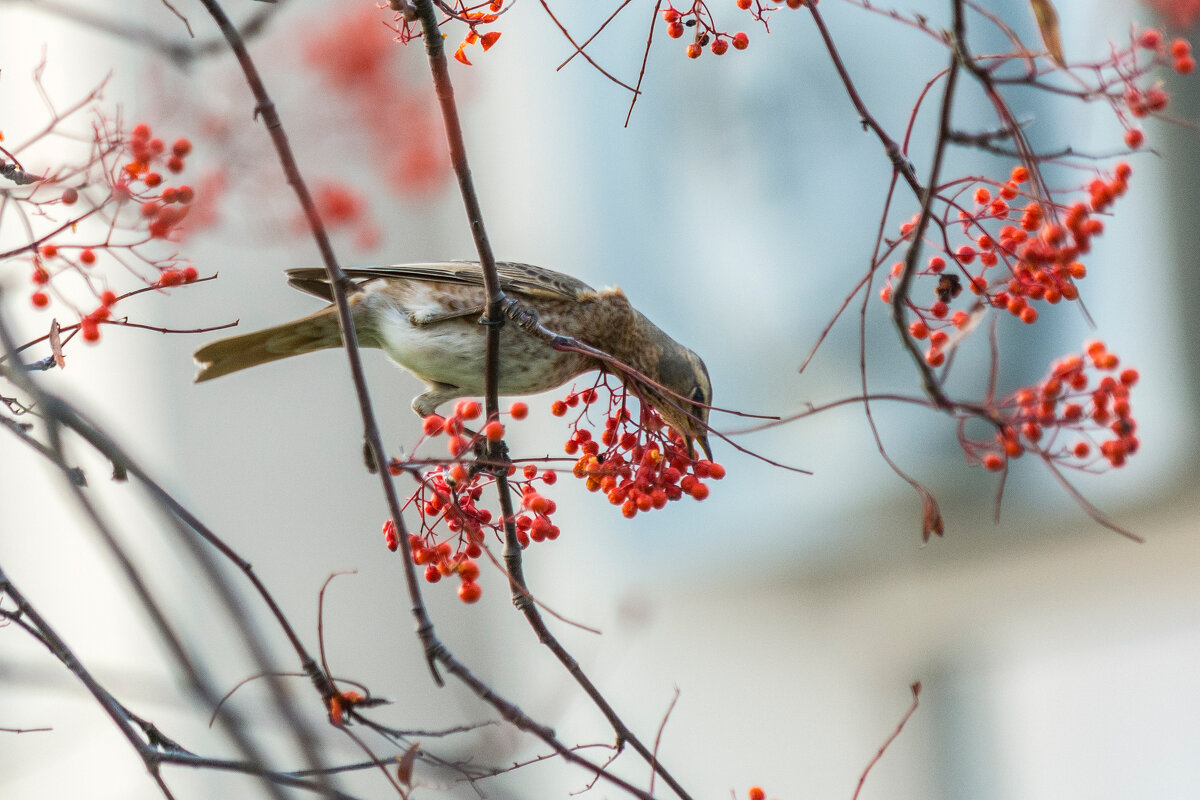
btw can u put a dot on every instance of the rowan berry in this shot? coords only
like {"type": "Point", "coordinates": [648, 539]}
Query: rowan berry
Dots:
{"type": "Point", "coordinates": [469, 591]}
{"type": "Point", "coordinates": [39, 299]}
{"type": "Point", "coordinates": [740, 41]}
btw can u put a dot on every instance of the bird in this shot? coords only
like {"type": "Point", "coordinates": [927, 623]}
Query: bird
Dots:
{"type": "Point", "coordinates": [426, 318]}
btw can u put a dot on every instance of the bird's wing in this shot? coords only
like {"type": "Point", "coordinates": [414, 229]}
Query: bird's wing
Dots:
{"type": "Point", "coordinates": [526, 279]}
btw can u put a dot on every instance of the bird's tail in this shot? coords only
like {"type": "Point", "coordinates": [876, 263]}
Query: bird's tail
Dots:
{"type": "Point", "coordinates": [317, 331]}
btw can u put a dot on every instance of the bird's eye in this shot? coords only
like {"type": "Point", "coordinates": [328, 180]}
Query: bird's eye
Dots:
{"type": "Point", "coordinates": [698, 397]}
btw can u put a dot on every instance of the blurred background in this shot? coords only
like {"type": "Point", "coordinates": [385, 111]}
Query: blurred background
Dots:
{"type": "Point", "coordinates": [737, 209]}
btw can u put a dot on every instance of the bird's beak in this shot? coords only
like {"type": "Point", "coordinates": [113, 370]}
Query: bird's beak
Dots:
{"type": "Point", "coordinates": [703, 440]}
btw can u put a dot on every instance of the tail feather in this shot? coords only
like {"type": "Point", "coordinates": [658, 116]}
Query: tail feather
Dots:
{"type": "Point", "coordinates": [317, 331]}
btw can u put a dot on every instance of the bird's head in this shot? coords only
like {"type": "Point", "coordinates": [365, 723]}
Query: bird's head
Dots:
{"type": "Point", "coordinates": [683, 373]}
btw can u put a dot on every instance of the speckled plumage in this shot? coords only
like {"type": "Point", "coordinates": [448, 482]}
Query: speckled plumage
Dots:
{"type": "Point", "coordinates": [425, 317]}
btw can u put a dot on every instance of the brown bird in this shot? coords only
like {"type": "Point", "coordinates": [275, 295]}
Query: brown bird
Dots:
{"type": "Point", "coordinates": [425, 317]}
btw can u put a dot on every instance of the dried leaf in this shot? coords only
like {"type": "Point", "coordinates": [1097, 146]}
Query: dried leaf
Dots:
{"type": "Point", "coordinates": [404, 771]}
{"type": "Point", "coordinates": [931, 514]}
{"type": "Point", "coordinates": [1047, 20]}
{"type": "Point", "coordinates": [56, 344]}
{"type": "Point", "coordinates": [489, 39]}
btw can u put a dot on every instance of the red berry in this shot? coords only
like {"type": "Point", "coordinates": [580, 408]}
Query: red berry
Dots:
{"type": "Point", "coordinates": [468, 570]}
{"type": "Point", "coordinates": [467, 409]}
{"type": "Point", "coordinates": [519, 410]}
{"type": "Point", "coordinates": [558, 408]}
{"type": "Point", "coordinates": [993, 462]}
{"type": "Point", "coordinates": [108, 297]}
{"type": "Point", "coordinates": [185, 194]}
{"type": "Point", "coordinates": [432, 425]}
{"type": "Point", "coordinates": [190, 274]}
{"type": "Point", "coordinates": [675, 30]}
{"type": "Point", "coordinates": [175, 164]}
{"type": "Point", "coordinates": [140, 131]}
{"type": "Point", "coordinates": [740, 41]}
{"type": "Point", "coordinates": [494, 431]}
{"type": "Point", "coordinates": [1134, 138]}
{"type": "Point", "coordinates": [181, 147]}
{"type": "Point", "coordinates": [1185, 65]}
{"type": "Point", "coordinates": [694, 50]}
{"type": "Point", "coordinates": [90, 330]}
{"type": "Point", "coordinates": [87, 257]}
{"type": "Point", "coordinates": [1151, 39]}
{"type": "Point", "coordinates": [469, 591]}
{"type": "Point", "coordinates": [70, 196]}
{"type": "Point", "coordinates": [719, 46]}
{"type": "Point", "coordinates": [152, 179]}
{"type": "Point", "coordinates": [40, 299]}
{"type": "Point", "coordinates": [49, 251]}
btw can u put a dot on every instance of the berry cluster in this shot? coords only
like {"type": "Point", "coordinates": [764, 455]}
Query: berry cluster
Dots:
{"type": "Point", "coordinates": [448, 495]}
{"type": "Point", "coordinates": [128, 168]}
{"type": "Point", "coordinates": [1066, 406]}
{"type": "Point", "coordinates": [640, 465]}
{"type": "Point", "coordinates": [1037, 245]}
{"type": "Point", "coordinates": [165, 211]}
{"type": "Point", "coordinates": [706, 34]}
{"type": "Point", "coordinates": [1144, 101]}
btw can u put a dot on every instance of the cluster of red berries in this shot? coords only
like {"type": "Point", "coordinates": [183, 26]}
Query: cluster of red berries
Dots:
{"type": "Point", "coordinates": [166, 209]}
{"type": "Point", "coordinates": [1144, 102]}
{"type": "Point", "coordinates": [1177, 51]}
{"type": "Point", "coordinates": [1038, 248]}
{"type": "Point", "coordinates": [161, 210]}
{"type": "Point", "coordinates": [700, 17]}
{"type": "Point", "coordinates": [706, 35]}
{"type": "Point", "coordinates": [639, 466]}
{"type": "Point", "coordinates": [1064, 403]}
{"type": "Point", "coordinates": [448, 495]}
{"type": "Point", "coordinates": [454, 427]}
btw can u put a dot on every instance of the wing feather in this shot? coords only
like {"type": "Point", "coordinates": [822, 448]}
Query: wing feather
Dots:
{"type": "Point", "coordinates": [516, 278]}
